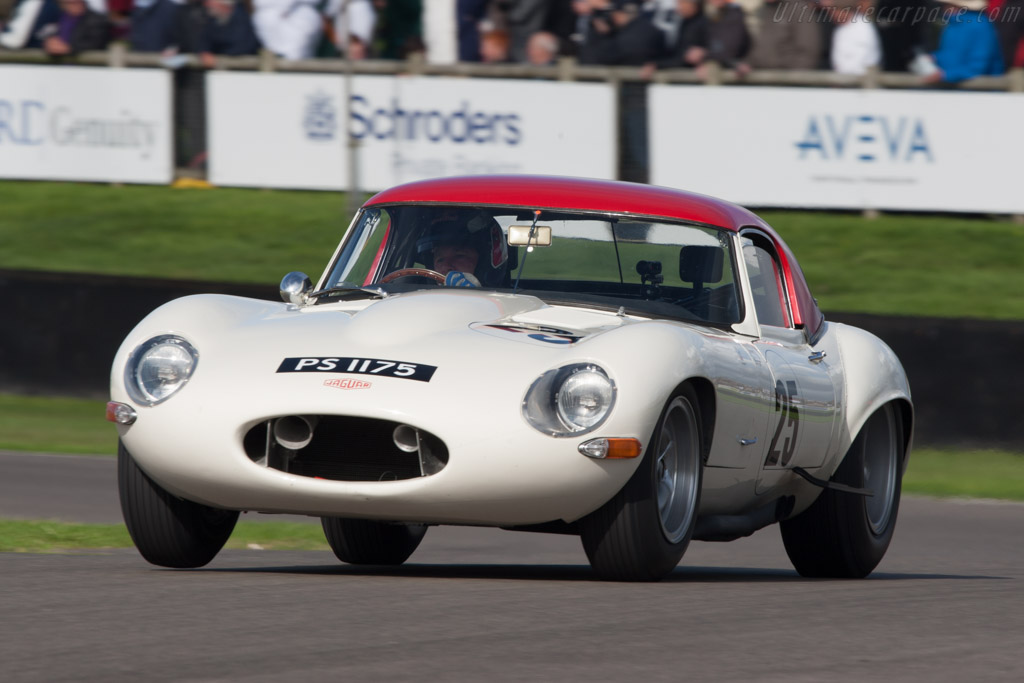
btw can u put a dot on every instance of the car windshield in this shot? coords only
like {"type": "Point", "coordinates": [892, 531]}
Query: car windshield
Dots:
{"type": "Point", "coordinates": [649, 268]}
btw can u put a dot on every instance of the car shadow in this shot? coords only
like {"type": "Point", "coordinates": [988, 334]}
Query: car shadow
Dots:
{"type": "Point", "coordinates": [576, 573]}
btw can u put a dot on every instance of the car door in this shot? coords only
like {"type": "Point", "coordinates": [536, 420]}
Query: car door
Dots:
{"type": "Point", "coordinates": [803, 410]}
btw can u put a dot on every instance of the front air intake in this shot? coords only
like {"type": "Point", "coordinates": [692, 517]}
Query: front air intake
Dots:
{"type": "Point", "coordinates": [346, 449]}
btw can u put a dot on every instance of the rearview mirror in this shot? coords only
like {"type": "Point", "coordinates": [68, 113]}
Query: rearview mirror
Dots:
{"type": "Point", "coordinates": [519, 236]}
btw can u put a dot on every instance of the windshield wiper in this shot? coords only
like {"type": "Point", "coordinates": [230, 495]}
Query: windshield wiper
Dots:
{"type": "Point", "coordinates": [349, 293]}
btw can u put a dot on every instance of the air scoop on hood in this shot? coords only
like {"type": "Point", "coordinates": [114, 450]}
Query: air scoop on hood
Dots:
{"type": "Point", "coordinates": [399, 318]}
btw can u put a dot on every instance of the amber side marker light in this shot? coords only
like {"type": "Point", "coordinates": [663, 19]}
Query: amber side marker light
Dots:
{"type": "Point", "coordinates": [121, 413]}
{"type": "Point", "coordinates": [606, 448]}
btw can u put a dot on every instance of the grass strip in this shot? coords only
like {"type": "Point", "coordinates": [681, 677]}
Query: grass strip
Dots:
{"type": "Point", "coordinates": [55, 425]}
{"type": "Point", "coordinates": [54, 537]}
{"type": "Point", "coordinates": [966, 474]}
{"type": "Point", "coordinates": [897, 264]}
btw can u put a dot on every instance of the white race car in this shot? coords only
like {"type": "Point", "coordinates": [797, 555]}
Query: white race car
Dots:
{"type": "Point", "coordinates": [636, 365]}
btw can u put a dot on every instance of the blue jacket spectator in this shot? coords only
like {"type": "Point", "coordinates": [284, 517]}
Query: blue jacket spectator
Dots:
{"type": "Point", "coordinates": [155, 25]}
{"type": "Point", "coordinates": [969, 45]}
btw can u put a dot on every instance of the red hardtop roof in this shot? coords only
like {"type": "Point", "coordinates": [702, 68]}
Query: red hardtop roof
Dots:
{"type": "Point", "coordinates": [554, 192]}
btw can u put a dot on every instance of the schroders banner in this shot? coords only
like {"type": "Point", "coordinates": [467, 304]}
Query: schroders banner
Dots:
{"type": "Point", "coordinates": [841, 149]}
{"type": "Point", "coordinates": [88, 124]}
{"type": "Point", "coordinates": [289, 130]}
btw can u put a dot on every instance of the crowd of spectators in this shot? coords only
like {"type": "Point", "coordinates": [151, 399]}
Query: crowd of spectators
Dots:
{"type": "Point", "coordinates": [947, 41]}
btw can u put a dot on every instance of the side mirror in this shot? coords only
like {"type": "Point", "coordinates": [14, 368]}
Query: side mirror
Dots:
{"type": "Point", "coordinates": [295, 288]}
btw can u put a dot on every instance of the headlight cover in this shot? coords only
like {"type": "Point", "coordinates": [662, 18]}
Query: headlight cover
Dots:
{"type": "Point", "coordinates": [570, 401]}
{"type": "Point", "coordinates": [158, 368]}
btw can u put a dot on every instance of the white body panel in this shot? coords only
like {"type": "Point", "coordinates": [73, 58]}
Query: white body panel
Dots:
{"type": "Point", "coordinates": [501, 471]}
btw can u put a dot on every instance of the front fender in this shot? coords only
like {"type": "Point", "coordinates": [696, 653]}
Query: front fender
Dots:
{"type": "Point", "coordinates": [873, 376]}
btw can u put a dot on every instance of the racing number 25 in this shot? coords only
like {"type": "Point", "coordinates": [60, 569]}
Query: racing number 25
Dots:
{"type": "Point", "coordinates": [789, 424]}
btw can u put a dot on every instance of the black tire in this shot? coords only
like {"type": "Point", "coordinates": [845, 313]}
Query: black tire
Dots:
{"type": "Point", "coordinates": [169, 531]}
{"type": "Point", "coordinates": [845, 535]}
{"type": "Point", "coordinates": [362, 541]}
{"type": "Point", "coordinates": [642, 533]}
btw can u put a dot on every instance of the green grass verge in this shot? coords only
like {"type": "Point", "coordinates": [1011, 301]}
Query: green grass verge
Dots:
{"type": "Point", "coordinates": [55, 425]}
{"type": "Point", "coordinates": [897, 264]}
{"type": "Point", "coordinates": [53, 537]}
{"type": "Point", "coordinates": [224, 234]}
{"type": "Point", "coordinates": [961, 473]}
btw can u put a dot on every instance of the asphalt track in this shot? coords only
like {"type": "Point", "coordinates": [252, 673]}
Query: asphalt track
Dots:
{"type": "Point", "coordinates": [946, 604]}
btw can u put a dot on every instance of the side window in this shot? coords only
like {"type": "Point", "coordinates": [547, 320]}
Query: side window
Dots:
{"type": "Point", "coordinates": [766, 285]}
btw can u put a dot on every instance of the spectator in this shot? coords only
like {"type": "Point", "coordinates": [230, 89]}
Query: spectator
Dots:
{"type": "Point", "coordinates": [618, 33]}
{"type": "Point", "coordinates": [119, 14]}
{"type": "Point", "coordinates": [900, 31]}
{"type": "Point", "coordinates": [470, 13]}
{"type": "Point", "coordinates": [728, 38]}
{"type": "Point", "coordinates": [400, 28]}
{"type": "Point", "coordinates": [352, 26]}
{"type": "Point", "coordinates": [521, 19]}
{"type": "Point", "coordinates": [156, 25]}
{"type": "Point", "coordinates": [5, 11]}
{"type": "Point", "coordinates": [1008, 16]}
{"type": "Point", "coordinates": [855, 43]}
{"type": "Point", "coordinates": [494, 43]}
{"type": "Point", "coordinates": [969, 45]}
{"type": "Point", "coordinates": [790, 35]}
{"type": "Point", "coordinates": [26, 20]}
{"type": "Point", "coordinates": [562, 22]}
{"type": "Point", "coordinates": [542, 48]}
{"type": "Point", "coordinates": [227, 30]}
{"type": "Point", "coordinates": [687, 45]}
{"type": "Point", "coordinates": [77, 28]}
{"type": "Point", "coordinates": [291, 29]}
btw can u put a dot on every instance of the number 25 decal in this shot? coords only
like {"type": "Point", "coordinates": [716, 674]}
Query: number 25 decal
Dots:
{"type": "Point", "coordinates": [789, 424]}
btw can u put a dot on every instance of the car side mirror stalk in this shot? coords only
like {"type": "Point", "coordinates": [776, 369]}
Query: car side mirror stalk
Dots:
{"type": "Point", "coordinates": [295, 288]}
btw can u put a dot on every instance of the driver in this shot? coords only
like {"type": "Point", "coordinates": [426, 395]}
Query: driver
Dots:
{"type": "Point", "coordinates": [467, 247]}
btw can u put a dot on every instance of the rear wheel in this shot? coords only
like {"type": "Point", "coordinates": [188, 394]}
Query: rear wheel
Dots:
{"type": "Point", "coordinates": [845, 535]}
{"type": "Point", "coordinates": [642, 533]}
{"type": "Point", "coordinates": [169, 531]}
{"type": "Point", "coordinates": [362, 541]}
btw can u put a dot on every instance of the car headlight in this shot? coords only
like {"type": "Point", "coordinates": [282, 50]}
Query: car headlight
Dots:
{"type": "Point", "coordinates": [158, 368]}
{"type": "Point", "coordinates": [569, 401]}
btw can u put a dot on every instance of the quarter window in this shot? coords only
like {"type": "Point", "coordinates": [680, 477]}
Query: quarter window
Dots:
{"type": "Point", "coordinates": [767, 286]}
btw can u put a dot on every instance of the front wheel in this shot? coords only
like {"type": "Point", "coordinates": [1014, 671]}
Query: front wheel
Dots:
{"type": "Point", "coordinates": [168, 531]}
{"type": "Point", "coordinates": [844, 535]}
{"type": "Point", "coordinates": [642, 533]}
{"type": "Point", "coordinates": [363, 541]}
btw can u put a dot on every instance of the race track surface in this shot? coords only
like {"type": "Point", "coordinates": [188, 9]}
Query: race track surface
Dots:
{"type": "Point", "coordinates": [479, 605]}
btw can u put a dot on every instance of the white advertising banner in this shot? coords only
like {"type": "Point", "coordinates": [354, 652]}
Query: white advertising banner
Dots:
{"type": "Point", "coordinates": [88, 124]}
{"type": "Point", "coordinates": [844, 149]}
{"type": "Point", "coordinates": [287, 130]}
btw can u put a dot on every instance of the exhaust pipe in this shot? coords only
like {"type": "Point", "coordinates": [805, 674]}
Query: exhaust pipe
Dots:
{"type": "Point", "coordinates": [295, 431]}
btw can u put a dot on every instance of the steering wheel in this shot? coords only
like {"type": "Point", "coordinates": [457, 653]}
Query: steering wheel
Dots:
{"type": "Point", "coordinates": [413, 272]}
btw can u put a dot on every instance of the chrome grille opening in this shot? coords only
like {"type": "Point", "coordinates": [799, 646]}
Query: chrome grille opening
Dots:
{"type": "Point", "coordinates": [347, 449]}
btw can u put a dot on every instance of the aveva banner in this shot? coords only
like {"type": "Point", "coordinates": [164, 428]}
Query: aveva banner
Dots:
{"type": "Point", "coordinates": [842, 149]}
{"type": "Point", "coordinates": [296, 131]}
{"type": "Point", "coordinates": [83, 123]}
